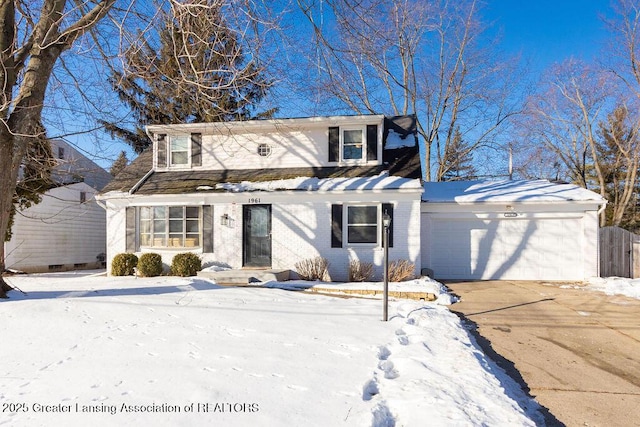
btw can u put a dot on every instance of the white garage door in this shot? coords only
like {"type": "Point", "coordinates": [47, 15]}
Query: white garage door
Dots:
{"type": "Point", "coordinates": [505, 248]}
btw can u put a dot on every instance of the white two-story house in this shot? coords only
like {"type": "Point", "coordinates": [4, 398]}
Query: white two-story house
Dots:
{"type": "Point", "coordinates": [270, 193]}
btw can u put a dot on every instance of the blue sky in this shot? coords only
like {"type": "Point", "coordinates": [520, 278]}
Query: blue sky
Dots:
{"type": "Point", "coordinates": [547, 31]}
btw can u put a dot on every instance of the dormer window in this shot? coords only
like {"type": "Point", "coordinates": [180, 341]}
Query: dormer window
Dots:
{"type": "Point", "coordinates": [179, 150]}
{"type": "Point", "coordinates": [352, 144]}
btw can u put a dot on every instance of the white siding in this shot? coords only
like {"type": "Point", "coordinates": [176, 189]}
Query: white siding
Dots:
{"type": "Point", "coordinates": [293, 142]}
{"type": "Point", "coordinates": [301, 229]}
{"type": "Point", "coordinates": [532, 242]}
{"type": "Point", "coordinates": [59, 231]}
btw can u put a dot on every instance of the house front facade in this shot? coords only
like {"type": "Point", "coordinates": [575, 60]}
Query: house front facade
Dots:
{"type": "Point", "coordinates": [267, 194]}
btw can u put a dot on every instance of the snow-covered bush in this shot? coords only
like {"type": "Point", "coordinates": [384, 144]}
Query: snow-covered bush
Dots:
{"type": "Point", "coordinates": [401, 270]}
{"type": "Point", "coordinates": [186, 264]}
{"type": "Point", "coordinates": [313, 269]}
{"type": "Point", "coordinates": [124, 264]}
{"type": "Point", "coordinates": [150, 265]}
{"type": "Point", "coordinates": [360, 271]}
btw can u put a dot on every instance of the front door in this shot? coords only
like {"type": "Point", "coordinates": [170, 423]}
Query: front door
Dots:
{"type": "Point", "coordinates": [256, 235]}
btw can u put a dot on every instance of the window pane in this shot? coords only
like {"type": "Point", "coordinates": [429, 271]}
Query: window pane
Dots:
{"type": "Point", "coordinates": [179, 143]}
{"type": "Point", "coordinates": [352, 152]}
{"type": "Point", "coordinates": [193, 212]}
{"type": "Point", "coordinates": [145, 240]}
{"type": "Point", "coordinates": [175, 240]}
{"type": "Point", "coordinates": [179, 158]}
{"type": "Point", "coordinates": [362, 234]}
{"type": "Point", "coordinates": [362, 215]}
{"type": "Point", "coordinates": [192, 226]}
{"type": "Point", "coordinates": [159, 226]}
{"type": "Point", "coordinates": [175, 226]}
{"type": "Point", "coordinates": [192, 240]}
{"type": "Point", "coordinates": [145, 213]}
{"type": "Point", "coordinates": [352, 137]}
{"type": "Point", "coordinates": [145, 226]}
{"type": "Point", "coordinates": [175, 212]}
{"type": "Point", "coordinates": [160, 212]}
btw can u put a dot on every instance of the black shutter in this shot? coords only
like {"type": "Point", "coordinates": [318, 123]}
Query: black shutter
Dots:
{"type": "Point", "coordinates": [336, 226]}
{"type": "Point", "coordinates": [372, 142]}
{"type": "Point", "coordinates": [207, 229]}
{"type": "Point", "coordinates": [334, 144]}
{"type": "Point", "coordinates": [162, 151]}
{"type": "Point", "coordinates": [196, 149]}
{"type": "Point", "coordinates": [130, 229]}
{"type": "Point", "coordinates": [388, 208]}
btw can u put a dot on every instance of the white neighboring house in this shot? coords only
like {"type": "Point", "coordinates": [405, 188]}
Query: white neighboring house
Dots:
{"type": "Point", "coordinates": [67, 230]}
{"type": "Point", "coordinates": [510, 230]}
{"type": "Point", "coordinates": [267, 194]}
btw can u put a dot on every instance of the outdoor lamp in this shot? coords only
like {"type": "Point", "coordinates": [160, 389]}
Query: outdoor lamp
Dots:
{"type": "Point", "coordinates": [386, 220]}
{"type": "Point", "coordinates": [224, 219]}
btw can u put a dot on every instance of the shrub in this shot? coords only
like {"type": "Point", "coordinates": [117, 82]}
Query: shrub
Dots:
{"type": "Point", "coordinates": [186, 264]}
{"type": "Point", "coordinates": [401, 270]}
{"type": "Point", "coordinates": [360, 271]}
{"type": "Point", "coordinates": [150, 265]}
{"type": "Point", "coordinates": [124, 264]}
{"type": "Point", "coordinates": [313, 269]}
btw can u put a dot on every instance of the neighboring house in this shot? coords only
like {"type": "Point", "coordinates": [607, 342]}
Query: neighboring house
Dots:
{"type": "Point", "coordinates": [267, 194]}
{"type": "Point", "coordinates": [67, 230]}
{"type": "Point", "coordinates": [509, 230]}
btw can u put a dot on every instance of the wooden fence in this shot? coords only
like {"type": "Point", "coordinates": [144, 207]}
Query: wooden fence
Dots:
{"type": "Point", "coordinates": [619, 253]}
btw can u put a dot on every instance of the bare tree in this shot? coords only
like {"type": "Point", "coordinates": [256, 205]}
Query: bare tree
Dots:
{"type": "Point", "coordinates": [32, 38]}
{"type": "Point", "coordinates": [563, 116]}
{"type": "Point", "coordinates": [419, 57]}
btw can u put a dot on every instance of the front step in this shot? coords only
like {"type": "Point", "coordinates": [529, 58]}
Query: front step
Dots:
{"type": "Point", "coordinates": [245, 277]}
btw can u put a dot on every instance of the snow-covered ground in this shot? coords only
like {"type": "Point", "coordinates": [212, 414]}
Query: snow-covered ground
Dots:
{"type": "Point", "coordinates": [615, 286]}
{"type": "Point", "coordinates": [82, 349]}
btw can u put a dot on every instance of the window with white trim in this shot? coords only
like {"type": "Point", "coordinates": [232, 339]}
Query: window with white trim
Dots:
{"type": "Point", "coordinates": [170, 226]}
{"type": "Point", "coordinates": [179, 150]}
{"type": "Point", "coordinates": [362, 224]}
{"type": "Point", "coordinates": [353, 144]}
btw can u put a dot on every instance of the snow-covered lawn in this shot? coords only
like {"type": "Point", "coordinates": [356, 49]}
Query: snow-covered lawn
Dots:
{"type": "Point", "coordinates": [83, 349]}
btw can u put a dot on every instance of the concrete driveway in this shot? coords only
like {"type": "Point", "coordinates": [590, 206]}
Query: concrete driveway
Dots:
{"type": "Point", "coordinates": [576, 351]}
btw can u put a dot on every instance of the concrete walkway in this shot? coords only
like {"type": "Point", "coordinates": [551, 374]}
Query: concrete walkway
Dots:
{"type": "Point", "coordinates": [576, 351]}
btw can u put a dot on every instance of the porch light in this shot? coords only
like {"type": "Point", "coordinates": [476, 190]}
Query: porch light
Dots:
{"type": "Point", "coordinates": [225, 220]}
{"type": "Point", "coordinates": [386, 222]}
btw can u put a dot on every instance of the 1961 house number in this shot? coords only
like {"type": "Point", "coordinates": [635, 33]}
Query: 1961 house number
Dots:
{"type": "Point", "coordinates": [254, 200]}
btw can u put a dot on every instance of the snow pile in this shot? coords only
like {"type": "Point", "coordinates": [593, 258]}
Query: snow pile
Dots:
{"type": "Point", "coordinates": [381, 181]}
{"type": "Point", "coordinates": [615, 286]}
{"type": "Point", "coordinates": [166, 351]}
{"type": "Point", "coordinates": [395, 140]}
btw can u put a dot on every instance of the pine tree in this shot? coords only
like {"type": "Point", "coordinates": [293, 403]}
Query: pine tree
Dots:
{"type": "Point", "coordinates": [198, 74]}
{"type": "Point", "coordinates": [458, 160]}
{"type": "Point", "coordinates": [119, 164]}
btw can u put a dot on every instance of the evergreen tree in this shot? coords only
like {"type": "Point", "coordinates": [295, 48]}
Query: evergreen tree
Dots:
{"type": "Point", "coordinates": [119, 164]}
{"type": "Point", "coordinates": [198, 74]}
{"type": "Point", "coordinates": [458, 160]}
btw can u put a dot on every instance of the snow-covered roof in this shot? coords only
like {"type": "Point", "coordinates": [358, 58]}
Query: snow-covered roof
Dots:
{"type": "Point", "coordinates": [505, 191]}
{"type": "Point", "coordinates": [382, 181]}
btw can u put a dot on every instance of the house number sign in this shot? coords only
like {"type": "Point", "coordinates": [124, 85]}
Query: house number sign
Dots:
{"type": "Point", "coordinates": [254, 199]}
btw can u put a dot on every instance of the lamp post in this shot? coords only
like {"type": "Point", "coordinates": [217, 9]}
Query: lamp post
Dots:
{"type": "Point", "coordinates": [386, 222]}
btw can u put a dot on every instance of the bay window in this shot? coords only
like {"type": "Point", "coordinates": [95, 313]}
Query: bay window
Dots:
{"type": "Point", "coordinates": [170, 226]}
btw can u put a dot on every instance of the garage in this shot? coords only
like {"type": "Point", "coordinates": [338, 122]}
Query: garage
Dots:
{"type": "Point", "coordinates": [510, 230]}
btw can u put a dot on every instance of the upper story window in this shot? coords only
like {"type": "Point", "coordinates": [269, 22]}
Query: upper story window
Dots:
{"type": "Point", "coordinates": [353, 144]}
{"type": "Point", "coordinates": [61, 152]}
{"type": "Point", "coordinates": [179, 150]}
{"type": "Point", "coordinates": [264, 150]}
